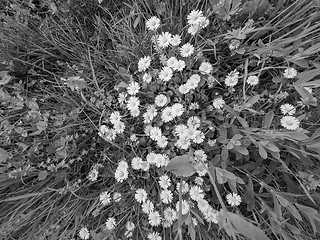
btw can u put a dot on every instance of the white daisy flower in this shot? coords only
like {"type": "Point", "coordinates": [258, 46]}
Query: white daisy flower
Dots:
{"type": "Point", "coordinates": [84, 233]}
{"type": "Point", "coordinates": [232, 78]}
{"type": "Point", "coordinates": [166, 196]}
{"type": "Point", "coordinates": [290, 122]}
{"type": "Point", "coordinates": [180, 129]}
{"type": "Point", "coordinates": [167, 114]}
{"type": "Point", "coordinates": [151, 158]}
{"type": "Point", "coordinates": [194, 106]}
{"type": "Point", "coordinates": [175, 40]}
{"type": "Point", "coordinates": [151, 109]}
{"type": "Point", "coordinates": [133, 103]}
{"type": "Point", "coordinates": [170, 214]}
{"type": "Point", "coordinates": [141, 195]}
{"type": "Point", "coordinates": [133, 138]}
{"type": "Point", "coordinates": [200, 155]}
{"type": "Point", "coordinates": [166, 223]}
{"type": "Point", "coordinates": [203, 205]}
{"type": "Point", "coordinates": [252, 80]}
{"type": "Point", "coordinates": [136, 163]}
{"type": "Point", "coordinates": [193, 29]}
{"type": "Point", "coordinates": [179, 66]}
{"type": "Point", "coordinates": [105, 198]}
{"type": "Point", "coordinates": [185, 187]}
{"type": "Point", "coordinates": [154, 236]}
{"type": "Point", "coordinates": [130, 226]}
{"type": "Point", "coordinates": [162, 141]}
{"type": "Point", "coordinates": [183, 143]}
{"type": "Point", "coordinates": [177, 109]}
{"type": "Point", "coordinates": [233, 199]}
{"type": "Point", "coordinates": [115, 117]}
{"type": "Point", "coordinates": [172, 62]}
{"type": "Point", "coordinates": [146, 77]}
{"type": "Point", "coordinates": [119, 127]}
{"type": "Point", "coordinates": [165, 74]}
{"type": "Point", "coordinates": [110, 223]}
{"type": "Point", "coordinates": [122, 97]}
{"type": "Point", "coordinates": [161, 160]}
{"type": "Point", "coordinates": [290, 72]}
{"type": "Point", "coordinates": [195, 17]}
{"type": "Point", "coordinates": [161, 100]}
{"type": "Point", "coordinates": [147, 130]}
{"type": "Point", "coordinates": [134, 112]}
{"type": "Point", "coordinates": [186, 50]}
{"type": "Point", "coordinates": [121, 172]}
{"type": "Point", "coordinates": [191, 133]}
{"type": "Point", "coordinates": [199, 138]}
{"type": "Point", "coordinates": [133, 88]}
{"type": "Point", "coordinates": [198, 181]}
{"type": "Point", "coordinates": [212, 215]}
{"type": "Point", "coordinates": [185, 207]}
{"type": "Point", "coordinates": [196, 193]}
{"type": "Point", "coordinates": [117, 197]}
{"type": "Point", "coordinates": [154, 218]}
{"type": "Point", "coordinates": [205, 67]}
{"type": "Point", "coordinates": [155, 133]}
{"type": "Point", "coordinates": [194, 122]}
{"type": "Point", "coordinates": [147, 206]}
{"type": "Point", "coordinates": [164, 39]}
{"type": "Point", "coordinates": [164, 181]}
{"type": "Point", "coordinates": [184, 89]}
{"type": "Point", "coordinates": [144, 63]}
{"type": "Point", "coordinates": [287, 109]}
{"type": "Point", "coordinates": [193, 81]}
{"type": "Point", "coordinates": [153, 23]}
{"type": "Point", "coordinates": [145, 166]}
{"type": "Point", "coordinates": [218, 103]}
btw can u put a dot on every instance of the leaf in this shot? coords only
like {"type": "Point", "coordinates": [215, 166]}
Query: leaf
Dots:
{"type": "Point", "coordinates": [246, 228]}
{"type": "Point", "coordinates": [4, 155]}
{"type": "Point", "coordinates": [4, 77]}
{"type": "Point", "coordinates": [223, 176]}
{"type": "Point", "coordinates": [268, 119]}
{"type": "Point", "coordinates": [42, 175]}
{"type": "Point", "coordinates": [252, 101]}
{"type": "Point", "coordinates": [76, 83]}
{"type": "Point", "coordinates": [95, 236]}
{"type": "Point", "coordinates": [262, 151]}
{"type": "Point", "coordinates": [181, 166]}
{"type": "Point", "coordinates": [249, 193]}
{"type": "Point", "coordinates": [137, 21]}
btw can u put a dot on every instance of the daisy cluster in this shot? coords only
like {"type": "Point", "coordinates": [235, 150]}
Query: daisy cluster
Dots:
{"type": "Point", "coordinates": [157, 101]}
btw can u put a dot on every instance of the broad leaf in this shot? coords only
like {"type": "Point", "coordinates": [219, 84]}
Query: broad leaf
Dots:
{"type": "Point", "coordinates": [181, 166]}
{"type": "Point", "coordinates": [4, 155]}
{"type": "Point", "coordinates": [223, 176]}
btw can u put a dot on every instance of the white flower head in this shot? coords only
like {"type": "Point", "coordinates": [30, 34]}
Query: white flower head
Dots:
{"type": "Point", "coordinates": [193, 81]}
{"type": "Point", "coordinates": [167, 114]}
{"type": "Point", "coordinates": [185, 187]}
{"type": "Point", "coordinates": [195, 17]}
{"type": "Point", "coordinates": [185, 207]}
{"type": "Point", "coordinates": [84, 233]}
{"type": "Point", "coordinates": [166, 196]}
{"type": "Point", "coordinates": [154, 218]}
{"type": "Point", "coordinates": [155, 133]}
{"type": "Point", "coordinates": [115, 117]}
{"type": "Point", "coordinates": [121, 172]}
{"type": "Point", "coordinates": [135, 112]}
{"type": "Point", "coordinates": [252, 80]}
{"type": "Point", "coordinates": [232, 78]}
{"type": "Point", "coordinates": [184, 89]}
{"type": "Point", "coordinates": [165, 74]}
{"type": "Point", "coordinates": [172, 62]}
{"type": "Point", "coordinates": [186, 50]}
{"type": "Point", "coordinates": [153, 23]}
{"type": "Point", "coordinates": [179, 66]}
{"type": "Point", "coordinates": [147, 77]}
{"type": "Point", "coordinates": [161, 100]}
{"type": "Point", "coordinates": [110, 223]}
{"type": "Point", "coordinates": [205, 67]}
{"type": "Point", "coordinates": [130, 226]}
{"type": "Point", "coordinates": [194, 122]}
{"type": "Point", "coordinates": [218, 103]}
{"type": "Point", "coordinates": [290, 122]}
{"type": "Point", "coordinates": [290, 72]}
{"type": "Point", "coordinates": [154, 236]}
{"type": "Point", "coordinates": [136, 163]}
{"type": "Point", "coordinates": [164, 39]}
{"type": "Point", "coordinates": [162, 141]}
{"type": "Point", "coordinates": [193, 29]}
{"type": "Point", "coordinates": [175, 40]}
{"type": "Point", "coordinates": [196, 193]}
{"type": "Point", "coordinates": [133, 88]}
{"type": "Point", "coordinates": [177, 109]}
{"type": "Point", "coordinates": [287, 109]}
{"type": "Point", "coordinates": [117, 197]}
{"type": "Point", "coordinates": [119, 127]}
{"type": "Point", "coordinates": [144, 63]}
{"type": "Point", "coordinates": [141, 195]}
{"type": "Point", "coordinates": [105, 198]}
{"type": "Point", "coordinates": [147, 206]}
{"type": "Point", "coordinates": [164, 181]}
{"type": "Point", "coordinates": [170, 214]}
{"type": "Point", "coordinates": [233, 199]}
{"type": "Point", "coordinates": [133, 103]}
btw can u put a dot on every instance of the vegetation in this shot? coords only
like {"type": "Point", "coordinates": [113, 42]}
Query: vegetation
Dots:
{"type": "Point", "coordinates": [142, 119]}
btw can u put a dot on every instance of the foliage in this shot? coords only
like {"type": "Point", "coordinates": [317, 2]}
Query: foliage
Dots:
{"type": "Point", "coordinates": [110, 129]}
